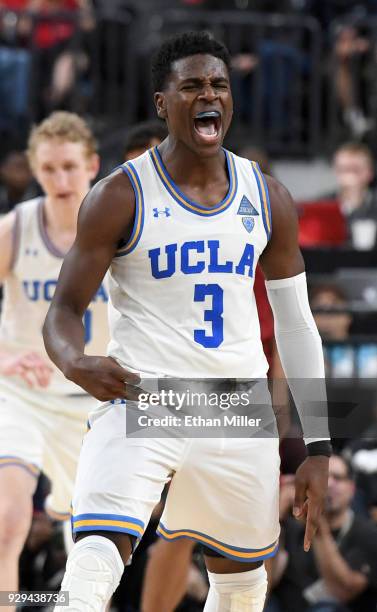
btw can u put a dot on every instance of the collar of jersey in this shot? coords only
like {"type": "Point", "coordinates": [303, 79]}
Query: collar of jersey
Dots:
{"type": "Point", "coordinates": [183, 200]}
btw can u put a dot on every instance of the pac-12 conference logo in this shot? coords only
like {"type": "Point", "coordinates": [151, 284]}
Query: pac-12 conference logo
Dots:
{"type": "Point", "coordinates": [248, 223]}
{"type": "Point", "coordinates": [246, 208]}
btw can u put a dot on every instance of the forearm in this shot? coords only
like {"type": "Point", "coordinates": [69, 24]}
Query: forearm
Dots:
{"type": "Point", "coordinates": [64, 337]}
{"type": "Point", "coordinates": [300, 351]}
{"type": "Point", "coordinates": [340, 579]}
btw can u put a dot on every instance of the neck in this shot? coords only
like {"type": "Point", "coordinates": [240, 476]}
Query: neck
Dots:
{"type": "Point", "coordinates": [179, 160]}
{"type": "Point", "coordinates": [62, 218]}
{"type": "Point", "coordinates": [337, 520]}
{"type": "Point", "coordinates": [353, 196]}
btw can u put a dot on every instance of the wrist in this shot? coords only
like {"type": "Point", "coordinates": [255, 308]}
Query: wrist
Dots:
{"type": "Point", "coordinates": [72, 365]}
{"type": "Point", "coordinates": [319, 447]}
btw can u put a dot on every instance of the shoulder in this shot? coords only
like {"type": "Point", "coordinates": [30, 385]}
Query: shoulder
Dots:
{"type": "Point", "coordinates": [283, 209]}
{"type": "Point", "coordinates": [280, 197]}
{"type": "Point", "coordinates": [365, 530]}
{"type": "Point", "coordinates": [116, 185]}
{"type": "Point", "coordinates": [7, 240]}
{"type": "Point", "coordinates": [7, 223]}
{"type": "Point", "coordinates": [111, 195]}
{"type": "Point", "coordinates": [109, 208]}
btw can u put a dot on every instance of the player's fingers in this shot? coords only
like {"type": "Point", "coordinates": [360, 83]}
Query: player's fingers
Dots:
{"type": "Point", "coordinates": [312, 521]}
{"type": "Point", "coordinates": [300, 496]}
{"type": "Point", "coordinates": [27, 376]}
{"type": "Point", "coordinates": [42, 375]}
{"type": "Point", "coordinates": [34, 360]}
{"type": "Point", "coordinates": [122, 374]}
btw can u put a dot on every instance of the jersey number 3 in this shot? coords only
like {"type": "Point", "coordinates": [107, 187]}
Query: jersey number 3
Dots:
{"type": "Point", "coordinates": [214, 315]}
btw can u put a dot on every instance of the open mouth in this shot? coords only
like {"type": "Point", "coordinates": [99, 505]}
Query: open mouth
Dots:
{"type": "Point", "coordinates": [207, 124]}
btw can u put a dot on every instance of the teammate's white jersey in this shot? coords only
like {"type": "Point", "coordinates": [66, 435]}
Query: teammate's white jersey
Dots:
{"type": "Point", "coordinates": [28, 291]}
{"type": "Point", "coordinates": [181, 289]}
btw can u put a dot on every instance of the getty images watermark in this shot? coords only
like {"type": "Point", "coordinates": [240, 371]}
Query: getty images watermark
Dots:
{"type": "Point", "coordinates": [187, 400]}
{"type": "Point", "coordinates": [200, 408]}
{"type": "Point", "coordinates": [168, 407]}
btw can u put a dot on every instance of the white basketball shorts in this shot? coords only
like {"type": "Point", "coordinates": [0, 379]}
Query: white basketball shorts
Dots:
{"type": "Point", "coordinates": [223, 492]}
{"type": "Point", "coordinates": [41, 431]}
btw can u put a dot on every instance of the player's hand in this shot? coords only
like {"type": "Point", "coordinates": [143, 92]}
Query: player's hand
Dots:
{"type": "Point", "coordinates": [104, 378]}
{"type": "Point", "coordinates": [311, 490]}
{"type": "Point", "coordinates": [31, 367]}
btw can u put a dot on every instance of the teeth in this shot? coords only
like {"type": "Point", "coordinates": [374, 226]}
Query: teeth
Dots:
{"type": "Point", "coordinates": [208, 115]}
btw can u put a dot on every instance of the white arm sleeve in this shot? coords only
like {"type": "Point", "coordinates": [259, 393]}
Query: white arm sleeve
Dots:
{"type": "Point", "coordinates": [300, 350]}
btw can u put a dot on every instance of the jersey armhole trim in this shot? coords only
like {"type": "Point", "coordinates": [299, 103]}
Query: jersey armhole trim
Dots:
{"type": "Point", "coordinates": [16, 239]}
{"type": "Point", "coordinates": [130, 245]}
{"type": "Point", "coordinates": [264, 197]}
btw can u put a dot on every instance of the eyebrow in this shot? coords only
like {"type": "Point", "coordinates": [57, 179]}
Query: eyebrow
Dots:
{"type": "Point", "coordinates": [198, 81]}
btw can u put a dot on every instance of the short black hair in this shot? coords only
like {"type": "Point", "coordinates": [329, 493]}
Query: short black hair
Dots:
{"type": "Point", "coordinates": [140, 134]}
{"type": "Point", "coordinates": [184, 45]}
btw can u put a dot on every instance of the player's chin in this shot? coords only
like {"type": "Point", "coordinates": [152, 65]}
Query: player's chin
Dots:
{"type": "Point", "coordinates": [207, 147]}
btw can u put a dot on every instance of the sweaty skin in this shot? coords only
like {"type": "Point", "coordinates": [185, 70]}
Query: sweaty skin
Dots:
{"type": "Point", "coordinates": [197, 83]}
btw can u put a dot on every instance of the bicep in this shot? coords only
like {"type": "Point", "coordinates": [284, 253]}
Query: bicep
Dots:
{"type": "Point", "coordinates": [282, 257]}
{"type": "Point", "coordinates": [81, 275]}
{"type": "Point", "coordinates": [106, 216]}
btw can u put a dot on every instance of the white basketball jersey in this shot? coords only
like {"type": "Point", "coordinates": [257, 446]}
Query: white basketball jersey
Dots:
{"type": "Point", "coordinates": [181, 289]}
{"type": "Point", "coordinates": [28, 291]}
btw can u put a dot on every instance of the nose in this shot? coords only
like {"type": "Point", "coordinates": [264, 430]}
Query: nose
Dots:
{"type": "Point", "coordinates": [61, 180]}
{"type": "Point", "coordinates": [208, 93]}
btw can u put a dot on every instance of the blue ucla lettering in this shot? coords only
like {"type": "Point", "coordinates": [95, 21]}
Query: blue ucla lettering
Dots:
{"type": "Point", "coordinates": [101, 295]}
{"type": "Point", "coordinates": [186, 267]}
{"type": "Point", "coordinates": [246, 261]}
{"type": "Point", "coordinates": [245, 266]}
{"type": "Point", "coordinates": [36, 290]}
{"type": "Point", "coordinates": [214, 265]}
{"type": "Point", "coordinates": [154, 255]}
{"type": "Point", "coordinates": [32, 290]}
{"type": "Point", "coordinates": [49, 290]}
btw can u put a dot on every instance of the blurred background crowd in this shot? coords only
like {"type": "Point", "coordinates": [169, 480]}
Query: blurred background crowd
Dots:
{"type": "Point", "coordinates": [305, 87]}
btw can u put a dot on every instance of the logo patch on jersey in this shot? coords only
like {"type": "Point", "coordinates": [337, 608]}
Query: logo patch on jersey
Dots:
{"type": "Point", "coordinates": [160, 213]}
{"type": "Point", "coordinates": [248, 223]}
{"type": "Point", "coordinates": [246, 208]}
{"type": "Point", "coordinates": [32, 252]}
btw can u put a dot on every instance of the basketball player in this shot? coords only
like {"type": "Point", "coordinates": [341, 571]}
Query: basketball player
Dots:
{"type": "Point", "coordinates": [182, 228]}
{"type": "Point", "coordinates": [143, 136]}
{"type": "Point", "coordinates": [42, 415]}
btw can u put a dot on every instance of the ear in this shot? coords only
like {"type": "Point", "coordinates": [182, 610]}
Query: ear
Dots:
{"type": "Point", "coordinates": [94, 165]}
{"type": "Point", "coordinates": [160, 103]}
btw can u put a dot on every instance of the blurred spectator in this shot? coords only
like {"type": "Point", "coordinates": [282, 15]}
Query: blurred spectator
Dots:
{"type": "Point", "coordinates": [57, 56]}
{"type": "Point", "coordinates": [321, 223]}
{"type": "Point", "coordinates": [354, 169]}
{"type": "Point", "coordinates": [351, 212]}
{"type": "Point", "coordinates": [362, 455]}
{"type": "Point", "coordinates": [15, 69]}
{"type": "Point", "coordinates": [343, 358]}
{"type": "Point", "coordinates": [333, 325]}
{"type": "Point", "coordinates": [327, 11]}
{"type": "Point", "coordinates": [350, 50]}
{"type": "Point", "coordinates": [46, 29]}
{"type": "Point", "coordinates": [256, 154]}
{"type": "Point", "coordinates": [16, 181]}
{"type": "Point", "coordinates": [339, 573]}
{"type": "Point", "coordinates": [143, 136]}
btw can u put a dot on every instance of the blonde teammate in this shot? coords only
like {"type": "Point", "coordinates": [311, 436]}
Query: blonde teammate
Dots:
{"type": "Point", "coordinates": [42, 415]}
